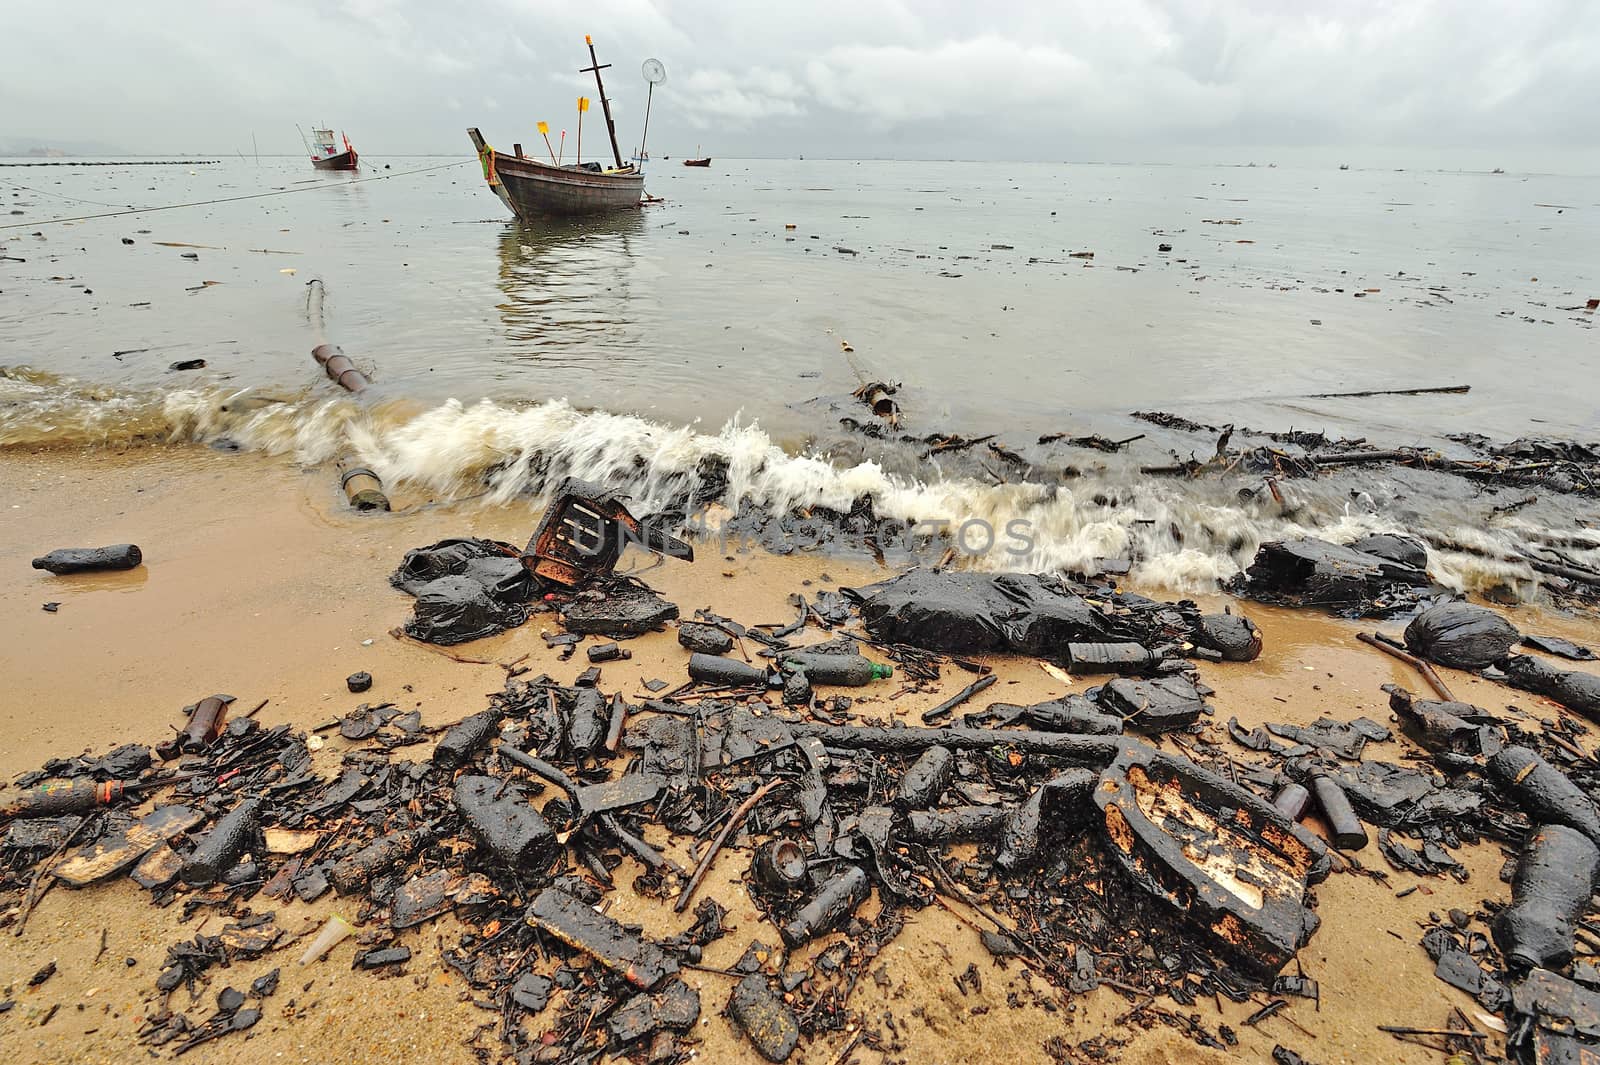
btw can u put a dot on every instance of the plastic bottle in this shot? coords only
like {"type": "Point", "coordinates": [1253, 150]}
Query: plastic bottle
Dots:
{"type": "Point", "coordinates": [1546, 794]}
{"type": "Point", "coordinates": [205, 724]}
{"type": "Point", "coordinates": [850, 671]}
{"type": "Point", "coordinates": [1292, 801]}
{"type": "Point", "coordinates": [79, 559]}
{"type": "Point", "coordinates": [354, 873]}
{"type": "Point", "coordinates": [463, 738]}
{"type": "Point", "coordinates": [586, 723]}
{"type": "Point", "coordinates": [927, 778]}
{"type": "Point", "coordinates": [780, 864]}
{"type": "Point", "coordinates": [60, 797]}
{"type": "Point", "coordinates": [714, 669]}
{"type": "Point", "coordinates": [220, 849]}
{"type": "Point", "coordinates": [837, 899]}
{"type": "Point", "coordinates": [1549, 893]}
{"type": "Point", "coordinates": [1349, 834]}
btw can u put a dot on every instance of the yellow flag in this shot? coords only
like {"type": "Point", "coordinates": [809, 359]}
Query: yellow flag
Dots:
{"type": "Point", "coordinates": [583, 103]}
{"type": "Point", "coordinates": [544, 128]}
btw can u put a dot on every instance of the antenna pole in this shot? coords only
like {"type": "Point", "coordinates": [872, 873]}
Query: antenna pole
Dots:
{"type": "Point", "coordinates": [649, 95]}
{"type": "Point", "coordinates": [605, 105]}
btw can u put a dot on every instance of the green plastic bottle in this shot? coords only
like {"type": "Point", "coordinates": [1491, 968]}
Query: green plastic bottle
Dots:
{"type": "Point", "coordinates": [850, 671]}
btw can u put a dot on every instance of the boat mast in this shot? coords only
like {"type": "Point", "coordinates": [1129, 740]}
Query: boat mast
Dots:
{"type": "Point", "coordinates": [605, 105]}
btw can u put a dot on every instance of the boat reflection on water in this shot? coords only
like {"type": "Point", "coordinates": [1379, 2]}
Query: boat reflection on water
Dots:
{"type": "Point", "coordinates": [569, 288]}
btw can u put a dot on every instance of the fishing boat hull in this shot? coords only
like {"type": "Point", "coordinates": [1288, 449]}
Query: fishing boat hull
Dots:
{"type": "Point", "coordinates": [533, 190]}
{"type": "Point", "coordinates": [342, 161]}
{"type": "Point", "coordinates": [697, 162]}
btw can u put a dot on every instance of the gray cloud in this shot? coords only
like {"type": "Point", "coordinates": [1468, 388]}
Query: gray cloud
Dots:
{"type": "Point", "coordinates": [1463, 82]}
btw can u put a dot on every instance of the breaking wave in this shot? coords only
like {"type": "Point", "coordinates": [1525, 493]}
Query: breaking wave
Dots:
{"type": "Point", "coordinates": [1181, 535]}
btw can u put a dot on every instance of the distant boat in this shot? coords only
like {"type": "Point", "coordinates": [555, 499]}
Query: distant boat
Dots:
{"type": "Point", "coordinates": [698, 162]}
{"type": "Point", "coordinates": [325, 153]}
{"type": "Point", "coordinates": [1497, 170]}
{"type": "Point", "coordinates": [1344, 166]}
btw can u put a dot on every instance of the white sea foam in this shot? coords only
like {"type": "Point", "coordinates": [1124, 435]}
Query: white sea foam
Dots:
{"type": "Point", "coordinates": [1185, 536]}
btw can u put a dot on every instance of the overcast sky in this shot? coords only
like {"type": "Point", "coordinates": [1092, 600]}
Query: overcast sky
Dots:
{"type": "Point", "coordinates": [1385, 82]}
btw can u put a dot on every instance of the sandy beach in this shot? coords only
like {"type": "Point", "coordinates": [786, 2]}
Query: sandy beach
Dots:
{"type": "Point", "coordinates": [259, 582]}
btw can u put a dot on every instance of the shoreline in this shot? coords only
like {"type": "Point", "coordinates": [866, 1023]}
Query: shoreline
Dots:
{"type": "Point", "coordinates": [259, 582]}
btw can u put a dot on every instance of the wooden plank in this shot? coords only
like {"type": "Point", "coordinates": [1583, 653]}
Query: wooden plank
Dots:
{"type": "Point", "coordinates": [120, 851]}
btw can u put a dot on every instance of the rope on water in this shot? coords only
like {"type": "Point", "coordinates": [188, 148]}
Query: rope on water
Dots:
{"type": "Point", "coordinates": [231, 199]}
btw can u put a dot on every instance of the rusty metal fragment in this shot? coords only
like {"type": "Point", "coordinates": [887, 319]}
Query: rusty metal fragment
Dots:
{"type": "Point", "coordinates": [583, 532]}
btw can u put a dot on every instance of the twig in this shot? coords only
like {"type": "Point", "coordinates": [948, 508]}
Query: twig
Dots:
{"type": "Point", "coordinates": [733, 822]}
{"type": "Point", "coordinates": [1433, 679]}
{"type": "Point", "coordinates": [958, 698]}
{"type": "Point", "coordinates": [33, 896]}
{"type": "Point", "coordinates": [1470, 1028]}
{"type": "Point", "coordinates": [1400, 1029]}
{"type": "Point", "coordinates": [844, 1051]}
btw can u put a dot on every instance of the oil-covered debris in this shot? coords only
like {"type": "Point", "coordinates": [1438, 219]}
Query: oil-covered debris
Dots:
{"type": "Point", "coordinates": [457, 609]}
{"type": "Point", "coordinates": [67, 560]}
{"type": "Point", "coordinates": [704, 639]}
{"type": "Point", "coordinates": [1351, 581]}
{"type": "Point", "coordinates": [1160, 705]}
{"type": "Point", "coordinates": [1461, 635]}
{"type": "Point", "coordinates": [1118, 837]}
{"type": "Point", "coordinates": [468, 588]}
{"type": "Point", "coordinates": [1573, 689]}
{"type": "Point", "coordinates": [764, 1017]}
{"type": "Point", "coordinates": [1555, 645]}
{"type": "Point", "coordinates": [1557, 1021]}
{"type": "Point", "coordinates": [970, 612]}
{"type": "Point", "coordinates": [624, 608]}
{"type": "Point", "coordinates": [1446, 728]}
{"type": "Point", "coordinates": [1225, 858]}
{"type": "Point", "coordinates": [1555, 877]}
{"type": "Point", "coordinates": [583, 533]}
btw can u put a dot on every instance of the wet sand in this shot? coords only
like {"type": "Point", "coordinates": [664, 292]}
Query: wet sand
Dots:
{"type": "Point", "coordinates": [258, 582]}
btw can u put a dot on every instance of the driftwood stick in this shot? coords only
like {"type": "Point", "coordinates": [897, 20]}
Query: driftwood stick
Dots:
{"type": "Point", "coordinates": [1400, 1029]}
{"type": "Point", "coordinates": [732, 823]}
{"type": "Point", "coordinates": [1439, 391]}
{"type": "Point", "coordinates": [958, 698]}
{"type": "Point", "coordinates": [1433, 679]}
{"type": "Point", "coordinates": [1085, 750]}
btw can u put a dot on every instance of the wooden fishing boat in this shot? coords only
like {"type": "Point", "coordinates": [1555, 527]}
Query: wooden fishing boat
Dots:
{"type": "Point", "coordinates": [698, 162]}
{"type": "Point", "coordinates": [325, 153]}
{"type": "Point", "coordinates": [533, 189]}
{"type": "Point", "coordinates": [538, 190]}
